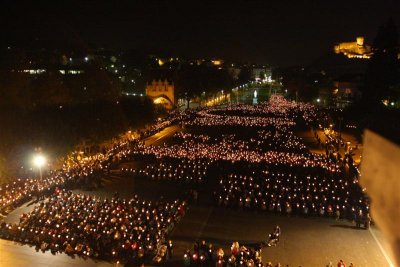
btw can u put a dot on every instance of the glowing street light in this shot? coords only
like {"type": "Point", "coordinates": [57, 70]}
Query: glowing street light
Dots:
{"type": "Point", "coordinates": [39, 161]}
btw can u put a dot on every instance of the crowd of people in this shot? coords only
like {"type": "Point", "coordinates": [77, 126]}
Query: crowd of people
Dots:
{"type": "Point", "coordinates": [20, 191]}
{"type": "Point", "coordinates": [292, 193]}
{"type": "Point", "coordinates": [292, 180]}
{"type": "Point", "coordinates": [277, 112]}
{"type": "Point", "coordinates": [261, 141]}
{"type": "Point", "coordinates": [172, 169]}
{"type": "Point", "coordinates": [205, 118]}
{"type": "Point", "coordinates": [112, 229]}
{"type": "Point", "coordinates": [205, 254]}
{"type": "Point", "coordinates": [230, 149]}
{"type": "Point", "coordinates": [261, 164]}
{"type": "Point", "coordinates": [76, 171]}
{"type": "Point", "coordinates": [277, 106]}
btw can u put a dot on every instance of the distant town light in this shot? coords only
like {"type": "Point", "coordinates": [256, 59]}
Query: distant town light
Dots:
{"type": "Point", "coordinates": [217, 62]}
{"type": "Point", "coordinates": [318, 100]}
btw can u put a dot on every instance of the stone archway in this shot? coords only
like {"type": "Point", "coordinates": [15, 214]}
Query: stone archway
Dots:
{"type": "Point", "coordinates": [163, 100]}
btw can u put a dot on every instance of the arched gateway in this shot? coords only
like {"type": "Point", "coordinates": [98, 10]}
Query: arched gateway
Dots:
{"type": "Point", "coordinates": [162, 92]}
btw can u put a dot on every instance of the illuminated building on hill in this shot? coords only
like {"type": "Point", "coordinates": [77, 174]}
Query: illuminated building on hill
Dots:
{"type": "Point", "coordinates": [357, 49]}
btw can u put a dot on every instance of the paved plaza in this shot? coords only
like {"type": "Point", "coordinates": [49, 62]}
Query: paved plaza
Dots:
{"type": "Point", "coordinates": [304, 242]}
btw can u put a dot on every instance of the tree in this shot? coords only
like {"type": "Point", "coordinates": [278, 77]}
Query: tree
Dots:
{"type": "Point", "coordinates": [382, 75]}
{"type": "Point", "coordinates": [192, 81]}
{"type": "Point", "coordinates": [244, 75]}
{"type": "Point", "coordinates": [261, 75]}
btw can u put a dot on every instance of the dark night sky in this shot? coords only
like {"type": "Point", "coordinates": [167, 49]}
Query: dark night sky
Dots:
{"type": "Point", "coordinates": [279, 32]}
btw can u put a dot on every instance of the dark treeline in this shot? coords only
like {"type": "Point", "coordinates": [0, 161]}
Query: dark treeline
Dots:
{"type": "Point", "coordinates": [19, 89]}
{"type": "Point", "coordinates": [58, 129]}
{"type": "Point", "coordinates": [193, 80]}
{"type": "Point", "coordinates": [63, 106]}
{"type": "Point", "coordinates": [197, 79]}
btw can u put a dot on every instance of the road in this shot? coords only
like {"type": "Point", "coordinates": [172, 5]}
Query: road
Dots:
{"type": "Point", "coordinates": [161, 136]}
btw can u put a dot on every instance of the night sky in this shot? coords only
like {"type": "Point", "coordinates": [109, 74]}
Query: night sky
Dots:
{"type": "Point", "coordinates": [274, 32]}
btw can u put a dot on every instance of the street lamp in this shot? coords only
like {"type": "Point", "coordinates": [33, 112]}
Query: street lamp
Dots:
{"type": "Point", "coordinates": [39, 161]}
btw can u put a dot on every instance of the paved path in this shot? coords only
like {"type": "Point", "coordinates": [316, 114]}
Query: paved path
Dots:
{"type": "Point", "coordinates": [304, 241]}
{"type": "Point", "coordinates": [310, 140]}
{"type": "Point", "coordinates": [160, 137]}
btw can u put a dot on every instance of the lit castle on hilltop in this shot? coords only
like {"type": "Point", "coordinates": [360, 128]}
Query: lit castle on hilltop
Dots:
{"type": "Point", "coordinates": [355, 49]}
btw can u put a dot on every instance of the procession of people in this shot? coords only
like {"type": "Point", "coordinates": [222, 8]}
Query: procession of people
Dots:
{"type": "Point", "coordinates": [253, 154]}
{"type": "Point", "coordinates": [110, 229]}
